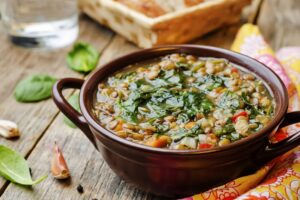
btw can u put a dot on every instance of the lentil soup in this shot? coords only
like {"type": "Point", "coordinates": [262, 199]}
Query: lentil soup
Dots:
{"type": "Point", "coordinates": [182, 101]}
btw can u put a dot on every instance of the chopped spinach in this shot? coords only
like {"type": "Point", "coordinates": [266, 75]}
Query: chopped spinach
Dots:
{"type": "Point", "coordinates": [213, 82]}
{"type": "Point", "coordinates": [182, 65]}
{"type": "Point", "coordinates": [197, 103]}
{"type": "Point", "coordinates": [184, 103]}
{"type": "Point", "coordinates": [227, 129]}
{"type": "Point", "coordinates": [177, 135]}
{"type": "Point", "coordinates": [230, 100]}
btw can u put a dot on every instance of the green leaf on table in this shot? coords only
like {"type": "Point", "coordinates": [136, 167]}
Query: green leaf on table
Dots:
{"type": "Point", "coordinates": [74, 102]}
{"type": "Point", "coordinates": [14, 168]}
{"type": "Point", "coordinates": [83, 58]}
{"type": "Point", "coordinates": [34, 88]}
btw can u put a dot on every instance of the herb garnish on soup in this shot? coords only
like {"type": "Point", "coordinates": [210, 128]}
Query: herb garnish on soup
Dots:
{"type": "Point", "coordinates": [183, 102]}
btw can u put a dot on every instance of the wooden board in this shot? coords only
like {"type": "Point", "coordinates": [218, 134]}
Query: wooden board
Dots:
{"type": "Point", "coordinates": [41, 124]}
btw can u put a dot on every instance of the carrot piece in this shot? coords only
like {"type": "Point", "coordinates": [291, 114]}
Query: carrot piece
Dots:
{"type": "Point", "coordinates": [234, 70]}
{"type": "Point", "coordinates": [159, 142]}
{"type": "Point", "coordinates": [119, 127]}
{"type": "Point", "coordinates": [190, 125]}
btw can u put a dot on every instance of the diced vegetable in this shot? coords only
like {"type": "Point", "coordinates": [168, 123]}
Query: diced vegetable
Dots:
{"type": "Point", "coordinates": [234, 70]}
{"type": "Point", "coordinates": [205, 146]}
{"type": "Point", "coordinates": [241, 126]}
{"type": "Point", "coordinates": [160, 141]}
{"type": "Point", "coordinates": [189, 142]}
{"type": "Point", "coordinates": [236, 116]}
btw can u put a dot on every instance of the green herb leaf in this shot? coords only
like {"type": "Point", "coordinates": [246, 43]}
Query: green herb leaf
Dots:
{"type": "Point", "coordinates": [213, 82]}
{"type": "Point", "coordinates": [182, 132]}
{"type": "Point", "coordinates": [74, 102]}
{"type": "Point", "coordinates": [83, 58]}
{"type": "Point", "coordinates": [34, 88]}
{"type": "Point", "coordinates": [235, 136]}
{"type": "Point", "coordinates": [230, 99]}
{"type": "Point", "coordinates": [182, 65]}
{"type": "Point", "coordinates": [197, 102]}
{"type": "Point", "coordinates": [14, 168]}
{"type": "Point", "coordinates": [183, 118]}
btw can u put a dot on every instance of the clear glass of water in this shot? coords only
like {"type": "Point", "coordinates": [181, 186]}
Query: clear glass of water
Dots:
{"type": "Point", "coordinates": [40, 23]}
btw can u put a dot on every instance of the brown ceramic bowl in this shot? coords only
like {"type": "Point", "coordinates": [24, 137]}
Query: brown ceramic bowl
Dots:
{"type": "Point", "coordinates": [176, 173]}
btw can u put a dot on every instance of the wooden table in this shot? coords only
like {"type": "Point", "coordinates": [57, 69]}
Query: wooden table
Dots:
{"type": "Point", "coordinates": [42, 124]}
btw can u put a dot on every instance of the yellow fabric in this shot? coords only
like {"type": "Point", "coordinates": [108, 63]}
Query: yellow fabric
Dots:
{"type": "Point", "coordinates": [250, 42]}
{"type": "Point", "coordinates": [283, 181]}
{"type": "Point", "coordinates": [280, 179]}
{"type": "Point", "coordinates": [234, 188]}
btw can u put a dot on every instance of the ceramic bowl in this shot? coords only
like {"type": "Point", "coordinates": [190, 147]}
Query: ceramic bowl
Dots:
{"type": "Point", "coordinates": [176, 173]}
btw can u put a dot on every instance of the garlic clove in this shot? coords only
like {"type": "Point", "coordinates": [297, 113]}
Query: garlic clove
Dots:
{"type": "Point", "coordinates": [8, 129]}
{"type": "Point", "coordinates": [59, 166]}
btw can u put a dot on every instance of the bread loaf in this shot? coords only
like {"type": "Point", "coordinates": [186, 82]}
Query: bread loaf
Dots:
{"type": "Point", "coordinates": [155, 8]}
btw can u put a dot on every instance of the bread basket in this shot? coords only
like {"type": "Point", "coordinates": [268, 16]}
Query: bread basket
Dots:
{"type": "Point", "coordinates": [173, 27]}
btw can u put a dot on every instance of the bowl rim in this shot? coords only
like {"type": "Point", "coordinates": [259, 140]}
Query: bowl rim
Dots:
{"type": "Point", "coordinates": [86, 101]}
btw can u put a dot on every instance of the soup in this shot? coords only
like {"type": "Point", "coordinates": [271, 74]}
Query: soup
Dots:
{"type": "Point", "coordinates": [183, 101]}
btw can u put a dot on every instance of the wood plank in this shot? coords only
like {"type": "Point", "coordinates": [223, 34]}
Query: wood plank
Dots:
{"type": "Point", "coordinates": [16, 63]}
{"type": "Point", "coordinates": [86, 164]}
{"type": "Point", "coordinates": [279, 22]}
{"type": "Point", "coordinates": [118, 47]}
{"type": "Point", "coordinates": [221, 38]}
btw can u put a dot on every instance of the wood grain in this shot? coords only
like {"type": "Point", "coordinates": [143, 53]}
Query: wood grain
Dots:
{"type": "Point", "coordinates": [118, 47]}
{"type": "Point", "coordinates": [279, 22]}
{"type": "Point", "coordinates": [17, 63]}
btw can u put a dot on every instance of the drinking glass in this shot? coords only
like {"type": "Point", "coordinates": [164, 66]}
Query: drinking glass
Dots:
{"type": "Point", "coordinates": [40, 23]}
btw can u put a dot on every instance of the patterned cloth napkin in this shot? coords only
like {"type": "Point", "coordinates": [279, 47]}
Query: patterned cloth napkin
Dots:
{"type": "Point", "coordinates": [280, 178]}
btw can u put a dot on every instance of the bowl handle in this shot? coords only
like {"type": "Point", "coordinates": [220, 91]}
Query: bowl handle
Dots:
{"type": "Point", "coordinates": [67, 109]}
{"type": "Point", "coordinates": [276, 149]}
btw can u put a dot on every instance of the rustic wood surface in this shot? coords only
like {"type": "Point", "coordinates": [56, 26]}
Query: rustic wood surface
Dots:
{"type": "Point", "coordinates": [41, 123]}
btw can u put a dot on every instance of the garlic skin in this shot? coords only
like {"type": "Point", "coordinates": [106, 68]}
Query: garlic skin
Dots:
{"type": "Point", "coordinates": [9, 129]}
{"type": "Point", "coordinates": [59, 166]}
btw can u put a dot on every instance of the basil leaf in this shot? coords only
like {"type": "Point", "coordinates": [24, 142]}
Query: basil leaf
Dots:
{"type": "Point", "coordinates": [34, 88]}
{"type": "Point", "coordinates": [74, 102]}
{"type": "Point", "coordinates": [14, 168]}
{"type": "Point", "coordinates": [83, 58]}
